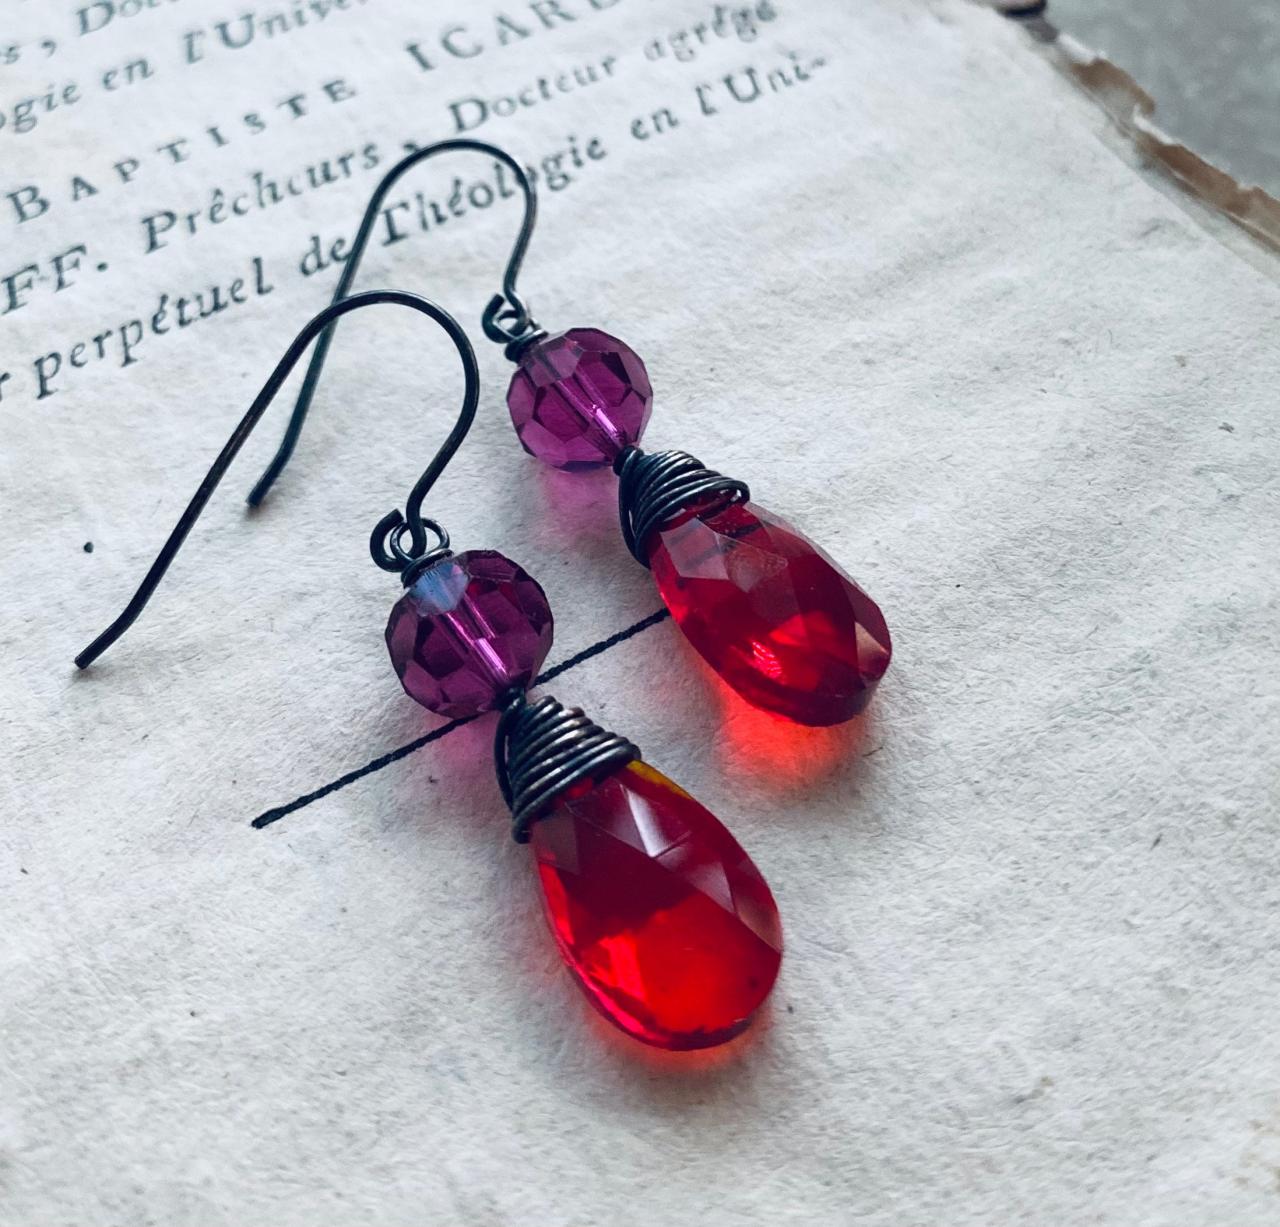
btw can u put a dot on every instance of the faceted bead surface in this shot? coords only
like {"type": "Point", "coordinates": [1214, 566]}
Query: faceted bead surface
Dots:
{"type": "Point", "coordinates": [668, 926]}
{"type": "Point", "coordinates": [577, 399]}
{"type": "Point", "coordinates": [770, 611]}
{"type": "Point", "coordinates": [472, 626]}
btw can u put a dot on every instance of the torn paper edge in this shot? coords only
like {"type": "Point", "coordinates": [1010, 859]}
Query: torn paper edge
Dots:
{"type": "Point", "coordinates": [1130, 109]}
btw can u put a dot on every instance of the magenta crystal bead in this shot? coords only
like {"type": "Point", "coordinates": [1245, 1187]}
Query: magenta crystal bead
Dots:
{"type": "Point", "coordinates": [470, 628]}
{"type": "Point", "coordinates": [579, 398]}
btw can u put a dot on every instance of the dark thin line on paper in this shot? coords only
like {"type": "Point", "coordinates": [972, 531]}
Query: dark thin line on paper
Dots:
{"type": "Point", "coordinates": [270, 816]}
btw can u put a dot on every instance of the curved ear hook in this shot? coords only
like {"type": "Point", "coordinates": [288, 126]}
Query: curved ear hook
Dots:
{"type": "Point", "coordinates": [412, 520]}
{"type": "Point", "coordinates": [508, 304]}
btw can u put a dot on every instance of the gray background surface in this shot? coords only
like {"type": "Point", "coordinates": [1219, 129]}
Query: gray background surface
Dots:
{"type": "Point", "coordinates": [1213, 67]}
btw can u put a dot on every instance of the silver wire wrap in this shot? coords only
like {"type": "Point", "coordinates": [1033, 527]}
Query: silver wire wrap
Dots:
{"type": "Point", "coordinates": [655, 488]}
{"type": "Point", "coordinates": [543, 748]}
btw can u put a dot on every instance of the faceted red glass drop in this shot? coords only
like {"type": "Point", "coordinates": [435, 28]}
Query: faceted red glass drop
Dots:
{"type": "Point", "coordinates": [669, 927]}
{"type": "Point", "coordinates": [770, 611]}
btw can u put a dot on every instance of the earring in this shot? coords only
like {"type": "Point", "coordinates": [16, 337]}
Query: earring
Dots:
{"type": "Point", "coordinates": [668, 926]}
{"type": "Point", "coordinates": [767, 609]}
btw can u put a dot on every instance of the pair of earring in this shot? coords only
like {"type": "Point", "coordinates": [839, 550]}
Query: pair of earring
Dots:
{"type": "Point", "coordinates": [666, 923]}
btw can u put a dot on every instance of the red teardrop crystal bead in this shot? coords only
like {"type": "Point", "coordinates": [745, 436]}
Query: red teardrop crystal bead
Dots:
{"type": "Point", "coordinates": [668, 926]}
{"type": "Point", "coordinates": [770, 611]}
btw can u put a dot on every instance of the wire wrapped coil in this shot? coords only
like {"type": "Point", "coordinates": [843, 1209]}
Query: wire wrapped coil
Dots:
{"type": "Point", "coordinates": [654, 488]}
{"type": "Point", "coordinates": [543, 748]}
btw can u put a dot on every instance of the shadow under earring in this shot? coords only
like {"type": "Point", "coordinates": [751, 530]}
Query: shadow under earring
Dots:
{"type": "Point", "coordinates": [770, 611]}
{"type": "Point", "coordinates": [667, 925]}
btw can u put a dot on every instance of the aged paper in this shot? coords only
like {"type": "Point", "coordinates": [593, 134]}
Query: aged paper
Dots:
{"type": "Point", "coordinates": [884, 264]}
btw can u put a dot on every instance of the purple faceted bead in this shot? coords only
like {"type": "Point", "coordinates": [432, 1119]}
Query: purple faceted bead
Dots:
{"type": "Point", "coordinates": [470, 628]}
{"type": "Point", "coordinates": [579, 398]}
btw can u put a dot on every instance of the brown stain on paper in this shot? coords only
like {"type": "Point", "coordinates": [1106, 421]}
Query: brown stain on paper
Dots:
{"type": "Point", "coordinates": [1130, 108]}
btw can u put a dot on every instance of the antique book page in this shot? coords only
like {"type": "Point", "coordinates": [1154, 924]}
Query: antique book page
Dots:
{"type": "Point", "coordinates": [883, 263]}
